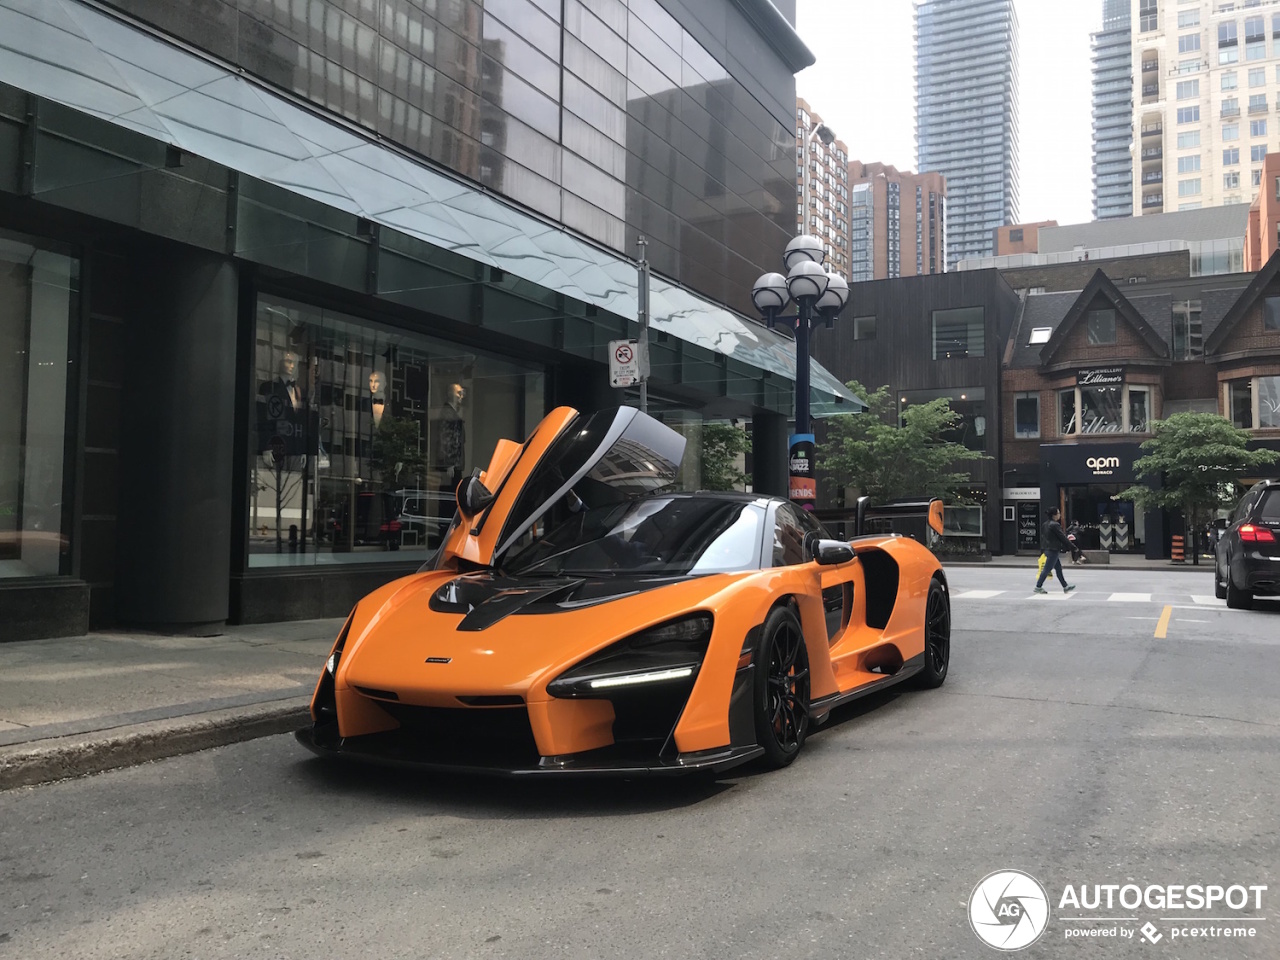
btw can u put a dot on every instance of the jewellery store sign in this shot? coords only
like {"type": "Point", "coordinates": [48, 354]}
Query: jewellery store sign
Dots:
{"type": "Point", "coordinates": [1100, 377]}
{"type": "Point", "coordinates": [1010, 910]}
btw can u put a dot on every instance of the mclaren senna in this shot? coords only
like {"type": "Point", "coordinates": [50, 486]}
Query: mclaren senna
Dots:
{"type": "Point", "coordinates": [580, 617]}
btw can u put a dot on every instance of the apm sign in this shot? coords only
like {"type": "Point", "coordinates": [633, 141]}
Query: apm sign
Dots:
{"type": "Point", "coordinates": [1103, 466]}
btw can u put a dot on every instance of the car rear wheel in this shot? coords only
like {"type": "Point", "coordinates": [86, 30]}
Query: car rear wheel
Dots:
{"type": "Point", "coordinates": [937, 637]}
{"type": "Point", "coordinates": [781, 688]}
{"type": "Point", "coordinates": [1219, 588]}
{"type": "Point", "coordinates": [1237, 599]}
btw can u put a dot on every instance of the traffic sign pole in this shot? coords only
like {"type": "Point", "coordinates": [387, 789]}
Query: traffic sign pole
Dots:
{"type": "Point", "coordinates": [643, 317]}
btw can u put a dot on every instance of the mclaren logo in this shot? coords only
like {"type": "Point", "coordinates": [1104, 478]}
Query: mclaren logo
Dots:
{"type": "Point", "coordinates": [439, 660]}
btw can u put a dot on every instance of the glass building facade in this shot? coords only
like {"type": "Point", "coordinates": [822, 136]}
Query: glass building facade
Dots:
{"type": "Point", "coordinates": [287, 271]}
{"type": "Point", "coordinates": [1113, 113]}
{"type": "Point", "coordinates": [967, 116]}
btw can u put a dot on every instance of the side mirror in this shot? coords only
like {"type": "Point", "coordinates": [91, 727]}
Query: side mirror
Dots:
{"type": "Point", "coordinates": [935, 516]}
{"type": "Point", "coordinates": [473, 496]}
{"type": "Point", "coordinates": [830, 553]}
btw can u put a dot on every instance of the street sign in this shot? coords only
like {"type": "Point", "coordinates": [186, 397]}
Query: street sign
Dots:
{"type": "Point", "coordinates": [627, 363]}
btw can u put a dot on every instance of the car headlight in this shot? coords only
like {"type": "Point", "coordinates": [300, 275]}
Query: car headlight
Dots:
{"type": "Point", "coordinates": [671, 652]}
{"type": "Point", "coordinates": [331, 665]}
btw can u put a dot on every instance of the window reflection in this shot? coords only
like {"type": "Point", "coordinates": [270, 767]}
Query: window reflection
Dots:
{"type": "Point", "coordinates": [39, 296]}
{"type": "Point", "coordinates": [361, 435]}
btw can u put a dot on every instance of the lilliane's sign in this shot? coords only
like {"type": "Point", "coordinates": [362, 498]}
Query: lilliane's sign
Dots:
{"type": "Point", "coordinates": [1100, 377]}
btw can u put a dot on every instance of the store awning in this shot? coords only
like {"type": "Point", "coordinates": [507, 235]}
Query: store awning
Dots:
{"type": "Point", "coordinates": [79, 56]}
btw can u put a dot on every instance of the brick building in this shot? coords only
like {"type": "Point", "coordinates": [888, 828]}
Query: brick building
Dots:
{"type": "Point", "coordinates": [1086, 373]}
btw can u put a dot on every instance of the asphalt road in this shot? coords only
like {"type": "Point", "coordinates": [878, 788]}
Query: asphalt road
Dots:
{"type": "Point", "coordinates": [1070, 741]}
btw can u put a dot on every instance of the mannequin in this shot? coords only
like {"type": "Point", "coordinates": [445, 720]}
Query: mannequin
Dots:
{"type": "Point", "coordinates": [282, 408]}
{"type": "Point", "coordinates": [450, 452]}
{"type": "Point", "coordinates": [377, 403]}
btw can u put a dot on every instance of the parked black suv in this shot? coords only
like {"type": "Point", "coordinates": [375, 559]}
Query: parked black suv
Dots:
{"type": "Point", "coordinates": [1247, 560]}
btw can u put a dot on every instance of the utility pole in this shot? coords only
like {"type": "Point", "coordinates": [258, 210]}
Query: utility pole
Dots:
{"type": "Point", "coordinates": [642, 302]}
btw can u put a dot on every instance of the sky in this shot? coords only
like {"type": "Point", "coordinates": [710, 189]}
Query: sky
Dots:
{"type": "Point", "coordinates": [863, 87]}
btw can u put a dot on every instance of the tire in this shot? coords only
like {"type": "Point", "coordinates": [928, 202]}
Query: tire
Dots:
{"type": "Point", "coordinates": [1219, 588]}
{"type": "Point", "coordinates": [937, 638]}
{"type": "Point", "coordinates": [1237, 599]}
{"type": "Point", "coordinates": [781, 688]}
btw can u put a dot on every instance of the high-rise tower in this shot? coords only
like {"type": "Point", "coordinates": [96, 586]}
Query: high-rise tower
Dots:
{"type": "Point", "coordinates": [967, 115]}
{"type": "Point", "coordinates": [1113, 113]}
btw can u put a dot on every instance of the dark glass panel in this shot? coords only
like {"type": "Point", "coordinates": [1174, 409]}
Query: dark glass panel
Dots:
{"type": "Point", "coordinates": [510, 53]}
{"type": "Point", "coordinates": [527, 19]}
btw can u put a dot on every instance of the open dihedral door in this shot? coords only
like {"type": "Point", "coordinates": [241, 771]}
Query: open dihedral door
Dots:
{"type": "Point", "coordinates": [618, 453]}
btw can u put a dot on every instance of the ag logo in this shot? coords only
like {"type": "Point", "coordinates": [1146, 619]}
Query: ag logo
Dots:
{"type": "Point", "coordinates": [1009, 910]}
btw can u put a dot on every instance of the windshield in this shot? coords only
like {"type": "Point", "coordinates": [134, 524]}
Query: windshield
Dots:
{"type": "Point", "coordinates": [656, 536]}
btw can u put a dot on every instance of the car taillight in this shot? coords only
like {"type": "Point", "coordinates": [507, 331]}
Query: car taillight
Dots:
{"type": "Point", "coordinates": [392, 527]}
{"type": "Point", "coordinates": [1251, 533]}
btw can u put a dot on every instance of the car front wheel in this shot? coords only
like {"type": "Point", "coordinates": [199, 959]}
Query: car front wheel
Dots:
{"type": "Point", "coordinates": [781, 688]}
{"type": "Point", "coordinates": [937, 637]}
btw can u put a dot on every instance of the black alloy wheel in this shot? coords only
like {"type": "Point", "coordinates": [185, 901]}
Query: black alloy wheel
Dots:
{"type": "Point", "coordinates": [937, 637]}
{"type": "Point", "coordinates": [781, 688]}
{"type": "Point", "coordinates": [1237, 599]}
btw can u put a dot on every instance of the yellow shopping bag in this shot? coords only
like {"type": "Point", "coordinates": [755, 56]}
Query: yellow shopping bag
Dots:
{"type": "Point", "coordinates": [1040, 566]}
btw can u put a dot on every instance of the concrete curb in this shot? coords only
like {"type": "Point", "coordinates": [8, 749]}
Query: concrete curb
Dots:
{"type": "Point", "coordinates": [27, 764]}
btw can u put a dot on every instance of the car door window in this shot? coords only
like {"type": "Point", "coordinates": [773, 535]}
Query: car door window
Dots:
{"type": "Point", "coordinates": [788, 537]}
{"type": "Point", "coordinates": [792, 528]}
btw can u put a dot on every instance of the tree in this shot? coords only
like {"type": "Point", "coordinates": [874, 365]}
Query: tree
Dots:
{"type": "Point", "coordinates": [397, 451]}
{"type": "Point", "coordinates": [1198, 457]}
{"type": "Point", "coordinates": [722, 443]}
{"type": "Point", "coordinates": [872, 453]}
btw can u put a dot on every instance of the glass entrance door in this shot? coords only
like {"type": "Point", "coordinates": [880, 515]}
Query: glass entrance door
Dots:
{"type": "Point", "coordinates": [1105, 522]}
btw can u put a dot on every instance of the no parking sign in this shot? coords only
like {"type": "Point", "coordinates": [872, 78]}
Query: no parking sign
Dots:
{"type": "Point", "coordinates": [627, 363]}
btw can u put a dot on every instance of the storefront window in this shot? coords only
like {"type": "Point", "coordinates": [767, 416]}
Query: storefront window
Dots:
{"type": "Point", "coordinates": [1066, 412]}
{"type": "Point", "coordinates": [969, 403]}
{"type": "Point", "coordinates": [1240, 400]}
{"type": "Point", "coordinates": [1100, 410]}
{"type": "Point", "coordinates": [1269, 401]}
{"type": "Point", "coordinates": [1139, 407]}
{"type": "Point", "coordinates": [39, 299]}
{"type": "Point", "coordinates": [360, 434]}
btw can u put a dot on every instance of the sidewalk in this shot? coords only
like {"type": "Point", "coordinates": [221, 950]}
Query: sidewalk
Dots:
{"type": "Point", "coordinates": [80, 705]}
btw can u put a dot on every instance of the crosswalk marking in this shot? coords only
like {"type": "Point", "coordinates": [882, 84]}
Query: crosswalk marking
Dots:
{"type": "Point", "coordinates": [976, 594]}
{"type": "Point", "coordinates": [1131, 597]}
{"type": "Point", "coordinates": [1208, 601]}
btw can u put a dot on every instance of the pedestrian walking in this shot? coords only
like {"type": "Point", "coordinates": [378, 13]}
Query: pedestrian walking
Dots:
{"type": "Point", "coordinates": [1055, 543]}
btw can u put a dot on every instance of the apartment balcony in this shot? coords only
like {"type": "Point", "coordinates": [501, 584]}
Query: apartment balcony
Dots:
{"type": "Point", "coordinates": [1258, 108]}
{"type": "Point", "coordinates": [1156, 177]}
{"type": "Point", "coordinates": [1155, 200]}
{"type": "Point", "coordinates": [1150, 66]}
{"type": "Point", "coordinates": [1152, 154]}
{"type": "Point", "coordinates": [1152, 129]}
{"type": "Point", "coordinates": [1229, 112]}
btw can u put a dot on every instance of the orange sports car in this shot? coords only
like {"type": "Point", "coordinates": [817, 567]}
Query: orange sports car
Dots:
{"type": "Point", "coordinates": [579, 619]}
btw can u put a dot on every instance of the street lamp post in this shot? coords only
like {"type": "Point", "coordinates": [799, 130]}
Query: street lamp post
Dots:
{"type": "Point", "coordinates": [815, 291]}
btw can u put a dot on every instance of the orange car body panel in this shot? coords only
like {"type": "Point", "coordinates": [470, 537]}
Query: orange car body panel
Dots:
{"type": "Point", "coordinates": [394, 640]}
{"type": "Point", "coordinates": [394, 631]}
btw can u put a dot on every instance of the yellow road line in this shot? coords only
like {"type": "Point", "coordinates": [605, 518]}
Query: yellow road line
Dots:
{"type": "Point", "coordinates": [1162, 627]}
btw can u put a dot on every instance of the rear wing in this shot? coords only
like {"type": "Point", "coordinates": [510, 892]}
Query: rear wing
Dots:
{"type": "Point", "coordinates": [920, 520]}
